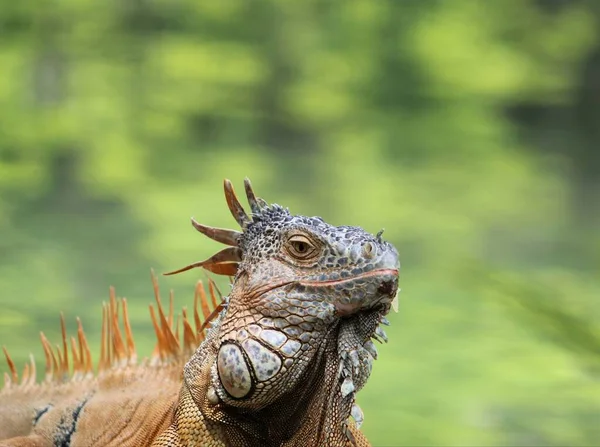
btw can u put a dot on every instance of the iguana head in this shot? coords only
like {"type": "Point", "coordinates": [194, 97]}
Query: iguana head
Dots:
{"type": "Point", "coordinates": [301, 287]}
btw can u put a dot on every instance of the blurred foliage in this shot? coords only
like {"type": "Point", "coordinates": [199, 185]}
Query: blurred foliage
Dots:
{"type": "Point", "coordinates": [468, 129]}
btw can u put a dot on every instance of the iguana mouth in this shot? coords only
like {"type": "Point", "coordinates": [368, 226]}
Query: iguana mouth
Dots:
{"type": "Point", "coordinates": [333, 282]}
{"type": "Point", "coordinates": [387, 287]}
{"type": "Point", "coordinates": [366, 291]}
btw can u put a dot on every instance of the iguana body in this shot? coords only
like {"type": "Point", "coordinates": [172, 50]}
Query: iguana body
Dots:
{"type": "Point", "coordinates": [287, 351]}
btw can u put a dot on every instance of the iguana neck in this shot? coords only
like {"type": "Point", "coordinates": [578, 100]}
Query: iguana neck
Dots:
{"type": "Point", "coordinates": [309, 414]}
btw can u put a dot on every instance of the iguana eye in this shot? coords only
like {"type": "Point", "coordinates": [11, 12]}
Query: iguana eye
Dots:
{"type": "Point", "coordinates": [300, 247]}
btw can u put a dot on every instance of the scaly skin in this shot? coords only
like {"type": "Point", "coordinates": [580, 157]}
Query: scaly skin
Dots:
{"type": "Point", "coordinates": [282, 362]}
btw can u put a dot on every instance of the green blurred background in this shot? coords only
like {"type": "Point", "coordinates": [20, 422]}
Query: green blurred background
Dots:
{"type": "Point", "coordinates": [469, 129]}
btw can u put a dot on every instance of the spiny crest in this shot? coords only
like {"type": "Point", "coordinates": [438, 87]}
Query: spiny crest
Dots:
{"type": "Point", "coordinates": [118, 351]}
{"type": "Point", "coordinates": [226, 261]}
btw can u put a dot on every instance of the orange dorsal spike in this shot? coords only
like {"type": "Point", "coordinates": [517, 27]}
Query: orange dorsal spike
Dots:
{"type": "Point", "coordinates": [211, 289]}
{"type": "Point", "coordinates": [102, 360]}
{"type": "Point", "coordinates": [77, 368]}
{"type": "Point", "coordinates": [25, 376]}
{"type": "Point", "coordinates": [119, 355]}
{"type": "Point", "coordinates": [155, 284]}
{"type": "Point", "coordinates": [109, 350]}
{"type": "Point", "coordinates": [217, 308]}
{"type": "Point", "coordinates": [48, 354]}
{"type": "Point", "coordinates": [159, 350]}
{"type": "Point", "coordinates": [118, 347]}
{"type": "Point", "coordinates": [105, 344]}
{"type": "Point", "coordinates": [84, 349]}
{"type": "Point", "coordinates": [197, 291]}
{"type": "Point", "coordinates": [11, 366]}
{"type": "Point", "coordinates": [177, 330]}
{"type": "Point", "coordinates": [170, 345]}
{"type": "Point", "coordinates": [171, 306]}
{"type": "Point", "coordinates": [201, 300]}
{"type": "Point", "coordinates": [81, 353]}
{"type": "Point", "coordinates": [204, 303]}
{"type": "Point", "coordinates": [132, 355]}
{"type": "Point", "coordinates": [64, 365]}
{"type": "Point", "coordinates": [58, 362]}
{"type": "Point", "coordinates": [33, 370]}
{"type": "Point", "coordinates": [189, 339]}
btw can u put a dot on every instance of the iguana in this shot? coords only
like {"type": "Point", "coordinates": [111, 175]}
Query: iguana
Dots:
{"type": "Point", "coordinates": [279, 364]}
